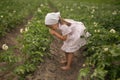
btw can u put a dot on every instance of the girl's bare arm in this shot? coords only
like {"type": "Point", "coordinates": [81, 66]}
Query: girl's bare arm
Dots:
{"type": "Point", "coordinates": [53, 32]}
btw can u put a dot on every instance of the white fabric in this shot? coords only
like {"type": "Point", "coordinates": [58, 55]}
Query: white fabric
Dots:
{"type": "Point", "coordinates": [74, 32]}
{"type": "Point", "coordinates": [52, 18]}
{"type": "Point", "coordinates": [65, 30]}
{"type": "Point", "coordinates": [87, 34]}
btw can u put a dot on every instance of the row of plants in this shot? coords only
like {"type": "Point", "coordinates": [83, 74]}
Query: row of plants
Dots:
{"type": "Point", "coordinates": [14, 12]}
{"type": "Point", "coordinates": [36, 40]}
{"type": "Point", "coordinates": [103, 46]}
{"type": "Point", "coordinates": [34, 45]}
{"type": "Point", "coordinates": [102, 21]}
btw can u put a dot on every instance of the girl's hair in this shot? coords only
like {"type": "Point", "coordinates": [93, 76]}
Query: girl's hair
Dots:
{"type": "Point", "coordinates": [62, 21]}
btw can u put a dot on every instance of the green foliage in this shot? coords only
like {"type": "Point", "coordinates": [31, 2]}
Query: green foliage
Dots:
{"type": "Point", "coordinates": [9, 57]}
{"type": "Point", "coordinates": [36, 40]}
{"type": "Point", "coordinates": [14, 12]}
{"type": "Point", "coordinates": [102, 20]}
{"type": "Point", "coordinates": [26, 68]}
{"type": "Point", "coordinates": [83, 73]}
{"type": "Point", "coordinates": [34, 44]}
{"type": "Point", "coordinates": [100, 17]}
{"type": "Point", "coordinates": [99, 73]}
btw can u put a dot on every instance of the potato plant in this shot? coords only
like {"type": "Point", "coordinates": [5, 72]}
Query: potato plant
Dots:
{"type": "Point", "coordinates": [34, 44]}
{"type": "Point", "coordinates": [100, 17]}
{"type": "Point", "coordinates": [14, 13]}
{"type": "Point", "coordinates": [35, 41]}
{"type": "Point", "coordinates": [102, 21]}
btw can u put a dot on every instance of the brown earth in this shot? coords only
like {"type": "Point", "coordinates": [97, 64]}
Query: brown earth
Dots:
{"type": "Point", "coordinates": [50, 68]}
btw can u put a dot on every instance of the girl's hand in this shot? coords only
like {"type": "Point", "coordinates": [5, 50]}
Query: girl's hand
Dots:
{"type": "Point", "coordinates": [52, 31]}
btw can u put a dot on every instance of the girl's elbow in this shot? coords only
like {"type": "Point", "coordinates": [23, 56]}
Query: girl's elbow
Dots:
{"type": "Point", "coordinates": [64, 38]}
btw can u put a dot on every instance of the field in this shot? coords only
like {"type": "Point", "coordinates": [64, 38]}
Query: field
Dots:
{"type": "Point", "coordinates": [14, 12]}
{"type": "Point", "coordinates": [101, 18]}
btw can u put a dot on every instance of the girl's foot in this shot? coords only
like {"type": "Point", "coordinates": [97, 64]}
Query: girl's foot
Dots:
{"type": "Point", "coordinates": [63, 62]}
{"type": "Point", "coordinates": [65, 68]}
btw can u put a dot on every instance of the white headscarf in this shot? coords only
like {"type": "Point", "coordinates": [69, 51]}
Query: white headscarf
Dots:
{"type": "Point", "coordinates": [52, 18]}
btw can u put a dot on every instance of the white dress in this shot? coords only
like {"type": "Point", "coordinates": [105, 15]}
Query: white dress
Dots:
{"type": "Point", "coordinates": [74, 34]}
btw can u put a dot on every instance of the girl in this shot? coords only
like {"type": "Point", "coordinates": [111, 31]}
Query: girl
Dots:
{"type": "Point", "coordinates": [73, 35]}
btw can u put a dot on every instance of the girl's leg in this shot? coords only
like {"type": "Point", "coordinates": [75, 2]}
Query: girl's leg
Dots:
{"type": "Point", "coordinates": [66, 58]}
{"type": "Point", "coordinates": [69, 61]}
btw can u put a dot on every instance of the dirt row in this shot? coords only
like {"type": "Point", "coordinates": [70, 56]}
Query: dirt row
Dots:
{"type": "Point", "coordinates": [50, 68]}
{"type": "Point", "coordinates": [11, 39]}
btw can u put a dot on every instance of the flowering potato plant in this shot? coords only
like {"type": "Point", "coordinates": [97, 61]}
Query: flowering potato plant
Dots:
{"type": "Point", "coordinates": [13, 13]}
{"type": "Point", "coordinates": [102, 21]}
{"type": "Point", "coordinates": [35, 41]}
{"type": "Point", "coordinates": [34, 44]}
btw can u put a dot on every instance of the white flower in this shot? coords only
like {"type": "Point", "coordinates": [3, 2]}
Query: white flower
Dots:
{"type": "Point", "coordinates": [33, 42]}
{"type": "Point", "coordinates": [95, 24]}
{"type": "Point", "coordinates": [105, 49]}
{"type": "Point", "coordinates": [71, 9]}
{"type": "Point", "coordinates": [39, 10]}
{"type": "Point", "coordinates": [114, 13]}
{"type": "Point", "coordinates": [112, 31]}
{"type": "Point", "coordinates": [83, 65]}
{"type": "Point", "coordinates": [98, 31]}
{"type": "Point", "coordinates": [26, 29]}
{"type": "Point", "coordinates": [29, 22]}
{"type": "Point", "coordinates": [93, 10]}
{"type": "Point", "coordinates": [41, 5]}
{"type": "Point", "coordinates": [21, 30]}
{"type": "Point", "coordinates": [1, 16]}
{"type": "Point", "coordinates": [4, 47]}
{"type": "Point", "coordinates": [14, 11]}
{"type": "Point", "coordinates": [95, 31]}
{"type": "Point", "coordinates": [92, 16]}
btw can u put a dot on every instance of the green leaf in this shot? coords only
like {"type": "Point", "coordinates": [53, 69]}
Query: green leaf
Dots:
{"type": "Point", "coordinates": [99, 73]}
{"type": "Point", "coordinates": [83, 72]}
{"type": "Point", "coordinates": [118, 79]}
{"type": "Point", "coordinates": [115, 51]}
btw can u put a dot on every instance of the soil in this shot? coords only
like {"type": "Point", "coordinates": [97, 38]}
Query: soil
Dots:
{"type": "Point", "coordinates": [50, 68]}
